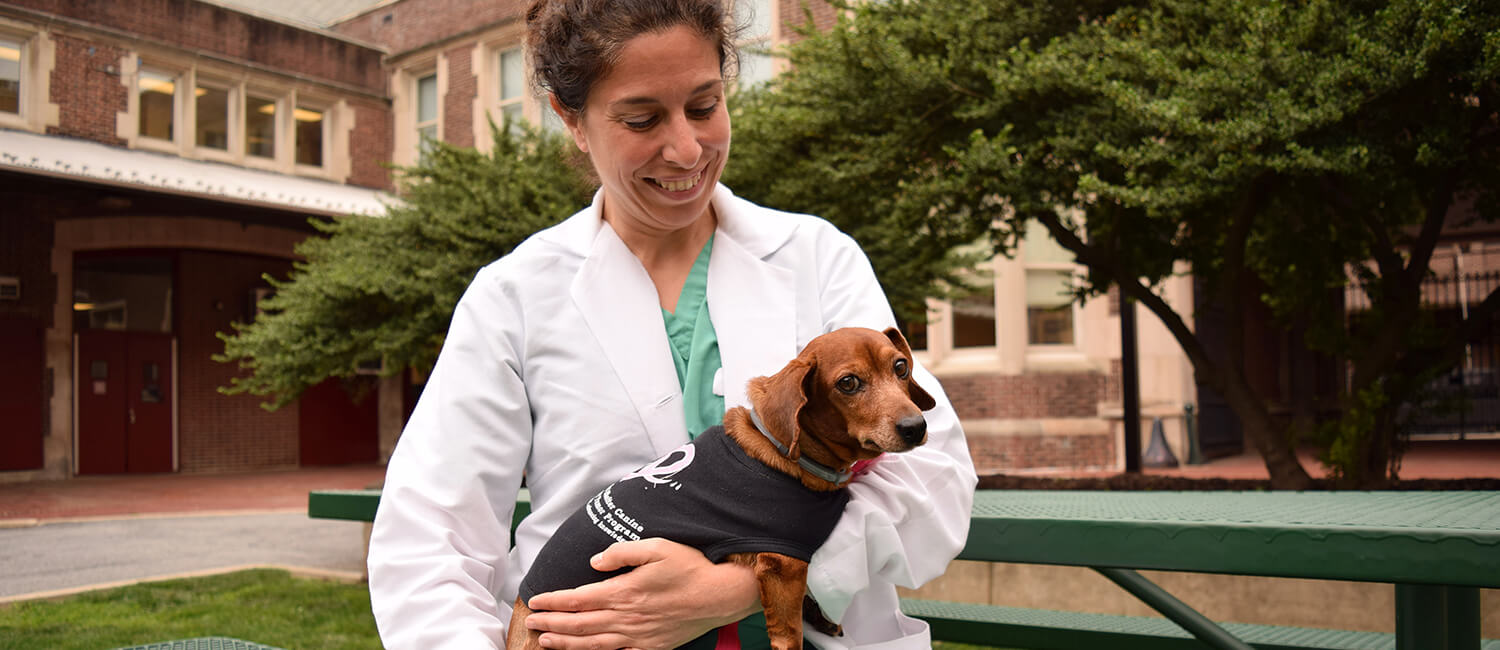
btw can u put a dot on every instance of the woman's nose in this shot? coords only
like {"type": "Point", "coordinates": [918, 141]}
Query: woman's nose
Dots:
{"type": "Point", "coordinates": [682, 147]}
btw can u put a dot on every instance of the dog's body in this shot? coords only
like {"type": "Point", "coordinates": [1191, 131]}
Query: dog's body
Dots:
{"type": "Point", "coordinates": [847, 397]}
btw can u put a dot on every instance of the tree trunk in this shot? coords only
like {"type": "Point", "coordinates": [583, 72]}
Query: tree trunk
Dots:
{"type": "Point", "coordinates": [1268, 439]}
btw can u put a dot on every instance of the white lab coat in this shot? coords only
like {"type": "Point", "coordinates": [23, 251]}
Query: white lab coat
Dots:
{"type": "Point", "coordinates": [557, 363]}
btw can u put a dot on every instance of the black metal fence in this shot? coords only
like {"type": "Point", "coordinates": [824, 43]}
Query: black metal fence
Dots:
{"type": "Point", "coordinates": [1466, 400]}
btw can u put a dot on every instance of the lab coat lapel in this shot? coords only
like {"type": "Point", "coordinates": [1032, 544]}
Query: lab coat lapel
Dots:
{"type": "Point", "coordinates": [753, 306]}
{"type": "Point", "coordinates": [620, 305]}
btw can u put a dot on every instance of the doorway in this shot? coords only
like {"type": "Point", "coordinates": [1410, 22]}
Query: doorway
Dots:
{"type": "Point", "coordinates": [125, 372]}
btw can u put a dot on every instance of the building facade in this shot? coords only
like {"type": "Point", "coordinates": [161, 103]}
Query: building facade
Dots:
{"type": "Point", "coordinates": [158, 158]}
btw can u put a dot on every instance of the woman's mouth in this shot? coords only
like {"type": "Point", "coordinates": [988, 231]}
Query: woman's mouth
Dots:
{"type": "Point", "coordinates": [679, 185]}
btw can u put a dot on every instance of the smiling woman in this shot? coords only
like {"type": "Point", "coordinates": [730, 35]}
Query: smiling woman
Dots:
{"type": "Point", "coordinates": [621, 334]}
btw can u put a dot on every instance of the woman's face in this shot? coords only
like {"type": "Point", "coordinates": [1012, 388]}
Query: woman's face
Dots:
{"type": "Point", "coordinates": [657, 131]}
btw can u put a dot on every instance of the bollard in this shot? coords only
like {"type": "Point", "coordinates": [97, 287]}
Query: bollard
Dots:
{"type": "Point", "coordinates": [1158, 454]}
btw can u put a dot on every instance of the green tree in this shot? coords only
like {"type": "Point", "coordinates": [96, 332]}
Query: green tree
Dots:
{"type": "Point", "coordinates": [385, 287]}
{"type": "Point", "coordinates": [1283, 149]}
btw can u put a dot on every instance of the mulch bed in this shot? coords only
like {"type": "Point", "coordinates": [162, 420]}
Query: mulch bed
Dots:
{"type": "Point", "coordinates": [1146, 482]}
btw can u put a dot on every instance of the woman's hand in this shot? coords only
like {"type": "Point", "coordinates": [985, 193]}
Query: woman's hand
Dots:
{"type": "Point", "coordinates": [673, 596]}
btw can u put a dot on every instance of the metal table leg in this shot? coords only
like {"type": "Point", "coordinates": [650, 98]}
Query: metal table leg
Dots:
{"type": "Point", "coordinates": [1437, 617]}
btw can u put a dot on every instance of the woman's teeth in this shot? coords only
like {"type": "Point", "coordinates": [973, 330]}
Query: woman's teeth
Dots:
{"type": "Point", "coordinates": [679, 186]}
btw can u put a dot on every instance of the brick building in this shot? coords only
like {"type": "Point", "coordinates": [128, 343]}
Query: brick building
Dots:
{"type": "Point", "coordinates": [158, 157]}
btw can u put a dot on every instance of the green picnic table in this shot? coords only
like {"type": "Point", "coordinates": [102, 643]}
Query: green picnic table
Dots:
{"type": "Point", "coordinates": [1437, 548]}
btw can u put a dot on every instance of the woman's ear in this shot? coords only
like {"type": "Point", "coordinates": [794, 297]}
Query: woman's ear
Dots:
{"type": "Point", "coordinates": [779, 399]}
{"type": "Point", "coordinates": [572, 120]}
{"type": "Point", "coordinates": [919, 397]}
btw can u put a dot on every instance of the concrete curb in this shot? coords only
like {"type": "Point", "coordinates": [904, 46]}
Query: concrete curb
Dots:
{"type": "Point", "coordinates": [25, 522]}
{"type": "Point", "coordinates": [350, 577]}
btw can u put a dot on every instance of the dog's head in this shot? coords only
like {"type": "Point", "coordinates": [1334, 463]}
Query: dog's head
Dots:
{"type": "Point", "coordinates": [851, 390]}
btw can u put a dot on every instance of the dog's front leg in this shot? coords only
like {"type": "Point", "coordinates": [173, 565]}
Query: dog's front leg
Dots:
{"type": "Point", "coordinates": [783, 583]}
{"type": "Point", "coordinates": [520, 638]}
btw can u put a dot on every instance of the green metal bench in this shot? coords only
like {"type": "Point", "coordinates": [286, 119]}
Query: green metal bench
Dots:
{"type": "Point", "coordinates": [1438, 548]}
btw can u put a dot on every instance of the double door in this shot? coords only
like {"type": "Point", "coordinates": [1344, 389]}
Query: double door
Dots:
{"type": "Point", "coordinates": [124, 392]}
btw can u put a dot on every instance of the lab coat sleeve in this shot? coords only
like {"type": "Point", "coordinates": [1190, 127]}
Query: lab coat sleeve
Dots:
{"type": "Point", "coordinates": [908, 515]}
{"type": "Point", "coordinates": [441, 536]}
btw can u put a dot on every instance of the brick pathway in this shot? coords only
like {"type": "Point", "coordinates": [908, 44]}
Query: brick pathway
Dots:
{"type": "Point", "coordinates": [127, 495]}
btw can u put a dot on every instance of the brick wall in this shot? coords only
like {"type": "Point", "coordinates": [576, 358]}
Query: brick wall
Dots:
{"type": "Point", "coordinates": [458, 104]}
{"type": "Point", "coordinates": [412, 24]}
{"type": "Point", "coordinates": [1076, 436]}
{"type": "Point", "coordinates": [998, 454]}
{"type": "Point", "coordinates": [86, 87]}
{"type": "Point", "coordinates": [794, 15]}
{"type": "Point", "coordinates": [205, 27]}
{"type": "Point", "coordinates": [223, 432]}
{"type": "Point", "coordinates": [1017, 397]}
{"type": "Point", "coordinates": [370, 144]}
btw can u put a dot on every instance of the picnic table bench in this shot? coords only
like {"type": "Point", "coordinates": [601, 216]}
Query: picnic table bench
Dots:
{"type": "Point", "coordinates": [1437, 548]}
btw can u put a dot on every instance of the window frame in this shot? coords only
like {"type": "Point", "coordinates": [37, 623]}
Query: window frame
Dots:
{"type": "Point", "coordinates": [760, 44]}
{"type": "Point", "coordinates": [524, 98]}
{"type": "Point", "coordinates": [180, 77]}
{"type": "Point", "coordinates": [234, 114]}
{"type": "Point", "coordinates": [280, 154]}
{"type": "Point", "coordinates": [436, 123]}
{"type": "Point", "coordinates": [328, 109]}
{"type": "Point", "coordinates": [24, 61]}
{"type": "Point", "coordinates": [1074, 272]}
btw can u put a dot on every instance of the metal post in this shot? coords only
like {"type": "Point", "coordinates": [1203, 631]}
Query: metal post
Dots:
{"type": "Point", "coordinates": [1437, 617]}
{"type": "Point", "coordinates": [1130, 386]}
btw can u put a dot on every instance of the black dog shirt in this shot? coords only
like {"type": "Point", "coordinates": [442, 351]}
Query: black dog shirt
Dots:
{"type": "Point", "coordinates": [708, 494]}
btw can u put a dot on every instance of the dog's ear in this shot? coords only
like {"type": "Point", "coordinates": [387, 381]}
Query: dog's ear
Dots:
{"type": "Point", "coordinates": [780, 401]}
{"type": "Point", "coordinates": [919, 397]}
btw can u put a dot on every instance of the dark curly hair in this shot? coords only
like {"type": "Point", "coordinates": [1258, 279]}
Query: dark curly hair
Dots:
{"type": "Point", "coordinates": [574, 43]}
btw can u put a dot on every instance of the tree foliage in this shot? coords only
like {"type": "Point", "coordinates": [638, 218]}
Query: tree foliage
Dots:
{"type": "Point", "coordinates": [1273, 146]}
{"type": "Point", "coordinates": [384, 288]}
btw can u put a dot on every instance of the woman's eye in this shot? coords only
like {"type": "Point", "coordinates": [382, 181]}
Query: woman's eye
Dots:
{"type": "Point", "coordinates": [901, 368]}
{"type": "Point", "coordinates": [848, 384]}
{"type": "Point", "coordinates": [701, 113]}
{"type": "Point", "coordinates": [639, 124]}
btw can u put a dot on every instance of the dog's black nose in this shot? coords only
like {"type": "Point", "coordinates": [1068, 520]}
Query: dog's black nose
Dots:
{"type": "Point", "coordinates": [912, 429]}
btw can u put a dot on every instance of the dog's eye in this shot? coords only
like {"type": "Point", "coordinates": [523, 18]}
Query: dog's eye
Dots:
{"type": "Point", "coordinates": [901, 368]}
{"type": "Point", "coordinates": [848, 384]}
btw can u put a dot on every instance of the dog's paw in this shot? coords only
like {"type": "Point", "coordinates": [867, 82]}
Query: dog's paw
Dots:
{"type": "Point", "coordinates": [813, 615]}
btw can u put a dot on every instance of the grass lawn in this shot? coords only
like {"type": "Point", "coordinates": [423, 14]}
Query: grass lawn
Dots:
{"type": "Point", "coordinates": [264, 606]}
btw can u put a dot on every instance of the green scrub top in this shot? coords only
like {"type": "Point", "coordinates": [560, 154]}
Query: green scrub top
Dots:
{"type": "Point", "coordinates": [695, 348]}
{"type": "Point", "coordinates": [695, 352]}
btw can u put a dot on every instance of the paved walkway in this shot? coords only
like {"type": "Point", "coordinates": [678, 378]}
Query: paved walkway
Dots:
{"type": "Point", "coordinates": [158, 494]}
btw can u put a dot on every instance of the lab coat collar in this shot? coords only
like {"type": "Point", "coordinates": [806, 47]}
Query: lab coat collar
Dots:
{"type": "Point", "coordinates": [751, 301]}
{"type": "Point", "coordinates": [758, 230]}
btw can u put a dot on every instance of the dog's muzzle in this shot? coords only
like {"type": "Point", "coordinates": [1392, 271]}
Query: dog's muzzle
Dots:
{"type": "Point", "coordinates": [912, 429]}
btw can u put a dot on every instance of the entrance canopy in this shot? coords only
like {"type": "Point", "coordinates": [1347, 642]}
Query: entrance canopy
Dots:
{"type": "Point", "coordinates": [75, 159]}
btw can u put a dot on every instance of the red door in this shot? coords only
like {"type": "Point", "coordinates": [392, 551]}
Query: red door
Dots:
{"type": "Point", "coordinates": [124, 402]}
{"type": "Point", "coordinates": [22, 364]}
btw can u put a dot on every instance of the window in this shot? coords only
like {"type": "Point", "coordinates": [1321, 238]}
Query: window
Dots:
{"type": "Point", "coordinates": [512, 86]}
{"type": "Point", "coordinates": [974, 318]}
{"type": "Point", "coordinates": [427, 110]}
{"type": "Point", "coordinates": [10, 76]}
{"type": "Point", "coordinates": [158, 92]}
{"type": "Point", "coordinates": [211, 130]}
{"type": "Point", "coordinates": [1049, 284]}
{"type": "Point", "coordinates": [260, 127]}
{"type": "Point", "coordinates": [756, 64]}
{"type": "Point", "coordinates": [309, 136]}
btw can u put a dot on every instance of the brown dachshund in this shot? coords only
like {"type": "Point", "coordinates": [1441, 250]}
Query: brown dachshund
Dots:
{"type": "Point", "coordinates": [849, 396]}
